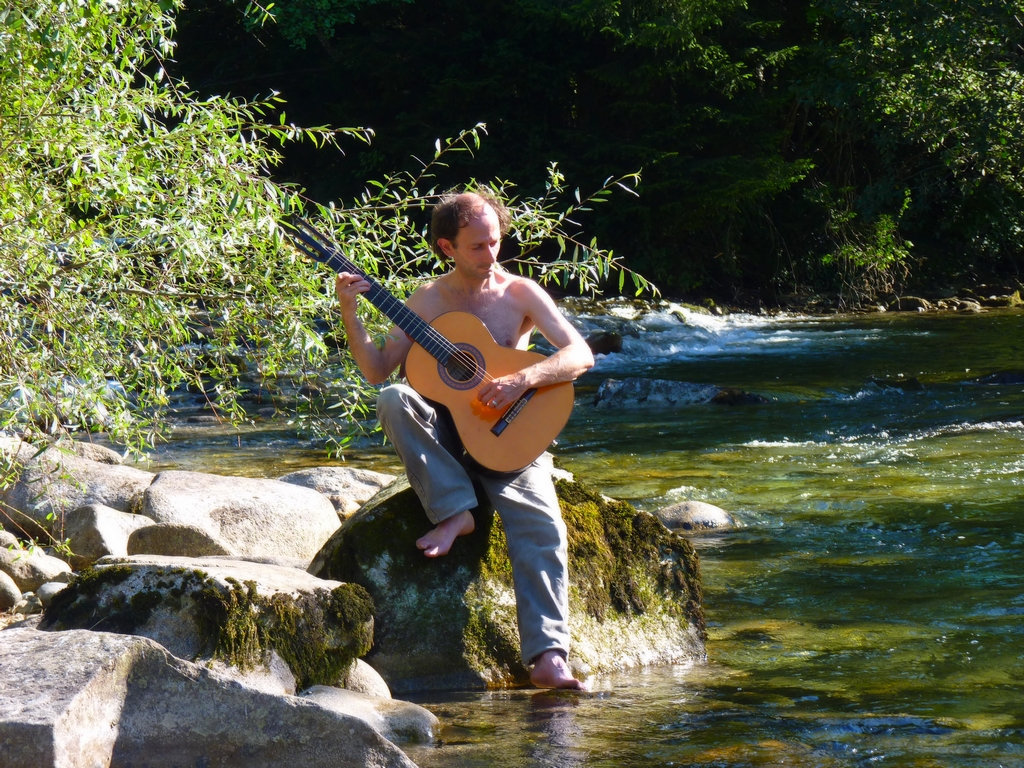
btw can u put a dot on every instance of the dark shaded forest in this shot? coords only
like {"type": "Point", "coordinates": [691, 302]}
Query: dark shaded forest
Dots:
{"type": "Point", "coordinates": [841, 149]}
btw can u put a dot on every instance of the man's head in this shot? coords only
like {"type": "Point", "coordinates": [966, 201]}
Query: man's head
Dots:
{"type": "Point", "coordinates": [455, 210]}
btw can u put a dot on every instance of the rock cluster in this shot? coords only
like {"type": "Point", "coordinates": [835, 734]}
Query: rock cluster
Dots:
{"type": "Point", "coordinates": [183, 627]}
{"type": "Point", "coordinates": [199, 619]}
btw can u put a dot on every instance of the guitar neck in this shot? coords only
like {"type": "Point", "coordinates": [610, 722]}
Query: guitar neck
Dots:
{"type": "Point", "coordinates": [316, 245]}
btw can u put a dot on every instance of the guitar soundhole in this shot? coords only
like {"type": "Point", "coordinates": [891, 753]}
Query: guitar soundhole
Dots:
{"type": "Point", "coordinates": [463, 369]}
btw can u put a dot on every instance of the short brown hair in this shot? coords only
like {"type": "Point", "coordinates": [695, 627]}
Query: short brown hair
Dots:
{"type": "Point", "coordinates": [456, 209]}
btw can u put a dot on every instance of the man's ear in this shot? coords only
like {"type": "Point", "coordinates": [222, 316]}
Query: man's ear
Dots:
{"type": "Point", "coordinates": [447, 246]}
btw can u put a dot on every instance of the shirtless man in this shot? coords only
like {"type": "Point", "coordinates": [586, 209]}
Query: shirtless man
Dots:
{"type": "Point", "coordinates": [467, 229]}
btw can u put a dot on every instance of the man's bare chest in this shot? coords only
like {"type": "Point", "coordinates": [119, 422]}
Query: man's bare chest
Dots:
{"type": "Point", "coordinates": [506, 322]}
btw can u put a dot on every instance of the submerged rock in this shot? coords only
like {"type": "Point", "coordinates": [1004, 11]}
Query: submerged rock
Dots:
{"type": "Point", "coordinates": [636, 392]}
{"type": "Point", "coordinates": [605, 342]}
{"type": "Point", "coordinates": [1001, 377]}
{"type": "Point", "coordinates": [899, 383]}
{"type": "Point", "coordinates": [450, 623]}
{"type": "Point", "coordinates": [695, 517]}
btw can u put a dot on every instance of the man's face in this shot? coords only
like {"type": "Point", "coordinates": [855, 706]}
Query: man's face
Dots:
{"type": "Point", "coordinates": [474, 252]}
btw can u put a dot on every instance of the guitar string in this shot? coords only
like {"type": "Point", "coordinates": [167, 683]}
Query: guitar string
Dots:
{"type": "Point", "coordinates": [438, 341]}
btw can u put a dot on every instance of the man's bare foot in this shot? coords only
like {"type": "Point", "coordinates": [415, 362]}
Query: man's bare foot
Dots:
{"type": "Point", "coordinates": [439, 539]}
{"type": "Point", "coordinates": [551, 671]}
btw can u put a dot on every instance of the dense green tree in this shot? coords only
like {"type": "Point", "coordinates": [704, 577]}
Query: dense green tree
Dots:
{"type": "Point", "coordinates": [915, 113]}
{"type": "Point", "coordinates": [678, 89]}
{"type": "Point", "coordinates": [847, 147]}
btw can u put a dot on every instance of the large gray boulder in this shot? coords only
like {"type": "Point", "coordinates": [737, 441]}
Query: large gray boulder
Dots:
{"type": "Point", "coordinates": [449, 623]}
{"type": "Point", "coordinates": [246, 517]}
{"type": "Point", "coordinates": [242, 614]}
{"type": "Point", "coordinates": [81, 699]}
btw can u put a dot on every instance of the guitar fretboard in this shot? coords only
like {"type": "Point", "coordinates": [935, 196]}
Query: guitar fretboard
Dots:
{"type": "Point", "coordinates": [317, 246]}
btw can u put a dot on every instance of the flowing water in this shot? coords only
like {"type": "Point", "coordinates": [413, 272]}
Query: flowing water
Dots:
{"type": "Point", "coordinates": [868, 609]}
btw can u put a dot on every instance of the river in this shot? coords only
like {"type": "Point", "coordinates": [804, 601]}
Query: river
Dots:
{"type": "Point", "coordinates": [867, 610]}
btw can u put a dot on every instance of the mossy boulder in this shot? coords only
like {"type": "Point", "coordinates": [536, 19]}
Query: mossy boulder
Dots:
{"type": "Point", "coordinates": [450, 622]}
{"type": "Point", "coordinates": [243, 614]}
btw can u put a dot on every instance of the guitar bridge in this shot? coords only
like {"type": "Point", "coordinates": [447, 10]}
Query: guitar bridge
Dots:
{"type": "Point", "coordinates": [511, 412]}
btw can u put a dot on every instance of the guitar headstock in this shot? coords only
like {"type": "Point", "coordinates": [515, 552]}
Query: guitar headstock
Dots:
{"type": "Point", "coordinates": [315, 244]}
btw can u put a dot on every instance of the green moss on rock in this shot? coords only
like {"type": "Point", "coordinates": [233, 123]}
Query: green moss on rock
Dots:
{"type": "Point", "coordinates": [78, 606]}
{"type": "Point", "coordinates": [625, 560]}
{"type": "Point", "coordinates": [319, 634]}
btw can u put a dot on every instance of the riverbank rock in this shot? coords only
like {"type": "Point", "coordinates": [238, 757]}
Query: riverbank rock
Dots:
{"type": "Point", "coordinates": [57, 479]}
{"type": "Point", "coordinates": [399, 721]}
{"type": "Point", "coordinates": [80, 699]}
{"type": "Point", "coordinates": [175, 539]}
{"type": "Point", "coordinates": [910, 304]}
{"type": "Point", "coordinates": [449, 623]}
{"type": "Point", "coordinates": [96, 531]}
{"type": "Point", "coordinates": [975, 300]}
{"type": "Point", "coordinates": [347, 487]}
{"type": "Point", "coordinates": [31, 568]}
{"type": "Point", "coordinates": [245, 517]}
{"type": "Point", "coordinates": [363, 678]}
{"type": "Point", "coordinates": [242, 614]}
{"type": "Point", "coordinates": [10, 592]}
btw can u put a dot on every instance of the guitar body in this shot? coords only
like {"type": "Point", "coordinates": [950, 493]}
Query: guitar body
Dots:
{"type": "Point", "coordinates": [504, 440]}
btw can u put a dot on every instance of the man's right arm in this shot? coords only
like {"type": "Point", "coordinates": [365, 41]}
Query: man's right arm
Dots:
{"type": "Point", "coordinates": [377, 362]}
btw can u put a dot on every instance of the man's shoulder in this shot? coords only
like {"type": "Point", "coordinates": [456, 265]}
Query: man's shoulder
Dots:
{"type": "Point", "coordinates": [521, 286]}
{"type": "Point", "coordinates": [527, 292]}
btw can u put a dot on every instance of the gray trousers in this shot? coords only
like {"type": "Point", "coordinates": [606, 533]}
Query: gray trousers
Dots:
{"type": "Point", "coordinates": [443, 477]}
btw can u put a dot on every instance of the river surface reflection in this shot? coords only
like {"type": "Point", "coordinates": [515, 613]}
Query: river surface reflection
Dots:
{"type": "Point", "coordinates": [869, 607]}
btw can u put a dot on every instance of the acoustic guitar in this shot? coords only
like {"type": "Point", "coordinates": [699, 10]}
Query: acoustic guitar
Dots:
{"type": "Point", "coordinates": [451, 357]}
